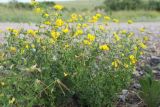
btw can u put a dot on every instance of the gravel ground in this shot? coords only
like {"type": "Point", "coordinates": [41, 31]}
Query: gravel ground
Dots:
{"type": "Point", "coordinates": [152, 27]}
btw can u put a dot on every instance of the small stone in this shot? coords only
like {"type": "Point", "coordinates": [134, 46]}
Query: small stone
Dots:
{"type": "Point", "coordinates": [136, 85]}
{"type": "Point", "coordinates": [155, 60]}
{"type": "Point", "coordinates": [122, 98]}
{"type": "Point", "coordinates": [157, 67]}
{"type": "Point", "coordinates": [136, 73]}
{"type": "Point", "coordinates": [124, 92]}
{"type": "Point", "coordinates": [154, 71]}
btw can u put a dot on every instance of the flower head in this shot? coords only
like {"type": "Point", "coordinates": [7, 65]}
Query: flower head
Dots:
{"type": "Point", "coordinates": [130, 21]}
{"type": "Point", "coordinates": [107, 18]}
{"type": "Point", "coordinates": [13, 49]}
{"type": "Point", "coordinates": [104, 47]}
{"type": "Point", "coordinates": [59, 23]}
{"type": "Point", "coordinates": [58, 7]}
{"type": "Point", "coordinates": [91, 37]}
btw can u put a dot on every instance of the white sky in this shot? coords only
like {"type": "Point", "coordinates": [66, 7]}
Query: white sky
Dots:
{"type": "Point", "coordinates": [30, 0]}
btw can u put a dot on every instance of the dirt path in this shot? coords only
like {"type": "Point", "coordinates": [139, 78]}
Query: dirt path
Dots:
{"type": "Point", "coordinates": [152, 27]}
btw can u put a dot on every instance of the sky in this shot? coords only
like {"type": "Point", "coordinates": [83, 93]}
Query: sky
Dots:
{"type": "Point", "coordinates": [30, 0]}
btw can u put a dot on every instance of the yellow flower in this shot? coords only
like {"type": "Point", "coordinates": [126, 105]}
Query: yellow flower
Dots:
{"type": "Point", "coordinates": [79, 26]}
{"type": "Point", "coordinates": [38, 10]}
{"type": "Point", "coordinates": [101, 28]}
{"type": "Point", "coordinates": [132, 59]}
{"type": "Point", "coordinates": [66, 46]}
{"type": "Point", "coordinates": [13, 49]}
{"type": "Point", "coordinates": [84, 25]}
{"type": "Point", "coordinates": [86, 42]}
{"type": "Point", "coordinates": [46, 15]}
{"type": "Point", "coordinates": [66, 30]}
{"type": "Point", "coordinates": [104, 47]}
{"type": "Point", "coordinates": [15, 32]}
{"type": "Point", "coordinates": [59, 22]}
{"type": "Point", "coordinates": [107, 18]}
{"type": "Point", "coordinates": [9, 29]}
{"type": "Point", "coordinates": [58, 7]}
{"type": "Point", "coordinates": [145, 38]}
{"type": "Point", "coordinates": [126, 65]}
{"type": "Point", "coordinates": [142, 45]}
{"type": "Point", "coordinates": [123, 32]}
{"type": "Point", "coordinates": [116, 36]}
{"type": "Point", "coordinates": [12, 100]}
{"type": "Point", "coordinates": [116, 20]}
{"type": "Point", "coordinates": [74, 17]}
{"type": "Point", "coordinates": [130, 21]}
{"type": "Point", "coordinates": [79, 32]}
{"type": "Point", "coordinates": [47, 23]}
{"type": "Point", "coordinates": [98, 15]}
{"type": "Point", "coordinates": [115, 64]}
{"type": "Point", "coordinates": [135, 48]}
{"type": "Point", "coordinates": [94, 19]}
{"type": "Point", "coordinates": [55, 35]}
{"type": "Point", "coordinates": [142, 29]}
{"type": "Point", "coordinates": [130, 34]}
{"type": "Point", "coordinates": [91, 37]}
{"type": "Point", "coordinates": [31, 32]}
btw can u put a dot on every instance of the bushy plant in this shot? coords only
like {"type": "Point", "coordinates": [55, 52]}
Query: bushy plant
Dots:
{"type": "Point", "coordinates": [149, 91]}
{"type": "Point", "coordinates": [116, 5]}
{"type": "Point", "coordinates": [123, 4]}
{"type": "Point", "coordinates": [67, 59]}
{"type": "Point", "coordinates": [154, 5]}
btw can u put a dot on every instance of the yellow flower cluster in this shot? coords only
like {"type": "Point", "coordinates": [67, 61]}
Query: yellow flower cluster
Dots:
{"type": "Point", "coordinates": [132, 59]}
{"type": "Point", "coordinates": [104, 47]}
{"type": "Point", "coordinates": [117, 38]}
{"type": "Point", "coordinates": [79, 32]}
{"type": "Point", "coordinates": [59, 23]}
{"type": "Point", "coordinates": [58, 7]}
{"type": "Point", "coordinates": [13, 49]}
{"type": "Point", "coordinates": [90, 38]}
{"type": "Point", "coordinates": [55, 35]}
{"type": "Point", "coordinates": [115, 63]}
{"type": "Point", "coordinates": [32, 32]}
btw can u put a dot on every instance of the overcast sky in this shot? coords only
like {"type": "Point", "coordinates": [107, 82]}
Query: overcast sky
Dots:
{"type": "Point", "coordinates": [30, 0]}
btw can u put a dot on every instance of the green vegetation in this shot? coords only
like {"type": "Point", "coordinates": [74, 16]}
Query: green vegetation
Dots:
{"type": "Point", "coordinates": [81, 5]}
{"type": "Point", "coordinates": [17, 15]}
{"type": "Point", "coordinates": [22, 12]}
{"type": "Point", "coordinates": [116, 5]}
{"type": "Point", "coordinates": [139, 15]}
{"type": "Point", "coordinates": [23, 15]}
{"type": "Point", "coordinates": [150, 92]}
{"type": "Point", "coordinates": [61, 64]}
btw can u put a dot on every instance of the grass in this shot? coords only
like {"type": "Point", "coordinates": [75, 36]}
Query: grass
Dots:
{"type": "Point", "coordinates": [17, 15]}
{"type": "Point", "coordinates": [81, 4]}
{"type": "Point", "coordinates": [22, 15]}
{"type": "Point", "coordinates": [140, 15]}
